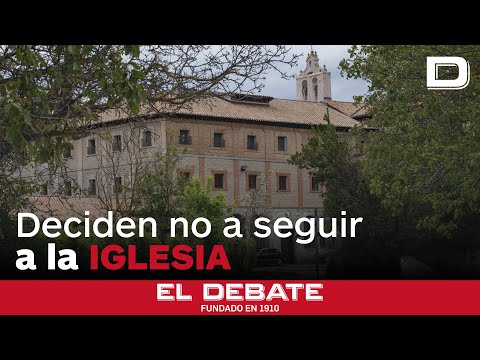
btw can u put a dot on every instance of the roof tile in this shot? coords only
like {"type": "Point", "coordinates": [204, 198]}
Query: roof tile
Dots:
{"type": "Point", "coordinates": [276, 111]}
{"type": "Point", "coordinates": [348, 108]}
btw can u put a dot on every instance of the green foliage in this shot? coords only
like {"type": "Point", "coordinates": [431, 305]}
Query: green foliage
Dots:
{"type": "Point", "coordinates": [256, 202]}
{"type": "Point", "coordinates": [328, 158]}
{"type": "Point", "coordinates": [241, 253]}
{"type": "Point", "coordinates": [165, 197]}
{"type": "Point", "coordinates": [197, 201]}
{"type": "Point", "coordinates": [13, 192]}
{"type": "Point", "coordinates": [160, 190]}
{"type": "Point", "coordinates": [51, 94]}
{"type": "Point", "coordinates": [46, 92]}
{"type": "Point", "coordinates": [423, 160]}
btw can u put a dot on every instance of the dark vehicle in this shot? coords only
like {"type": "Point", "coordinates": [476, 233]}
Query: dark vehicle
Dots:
{"type": "Point", "coordinates": [270, 256]}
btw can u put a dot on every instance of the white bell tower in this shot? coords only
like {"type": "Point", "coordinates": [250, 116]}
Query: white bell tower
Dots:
{"type": "Point", "coordinates": [313, 83]}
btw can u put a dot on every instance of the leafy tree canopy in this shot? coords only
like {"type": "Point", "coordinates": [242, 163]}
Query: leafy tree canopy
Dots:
{"type": "Point", "coordinates": [423, 160]}
{"type": "Point", "coordinates": [48, 91]}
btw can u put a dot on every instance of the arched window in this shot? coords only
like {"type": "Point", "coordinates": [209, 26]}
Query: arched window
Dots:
{"type": "Point", "coordinates": [304, 90]}
{"type": "Point", "coordinates": [315, 88]}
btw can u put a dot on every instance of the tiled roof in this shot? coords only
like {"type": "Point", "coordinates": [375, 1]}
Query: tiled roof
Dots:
{"type": "Point", "coordinates": [348, 108]}
{"type": "Point", "coordinates": [283, 111]}
{"type": "Point", "coordinates": [65, 207]}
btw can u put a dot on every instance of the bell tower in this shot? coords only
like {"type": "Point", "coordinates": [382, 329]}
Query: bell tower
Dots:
{"type": "Point", "coordinates": [313, 83]}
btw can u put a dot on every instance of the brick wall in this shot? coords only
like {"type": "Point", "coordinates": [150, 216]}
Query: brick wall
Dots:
{"type": "Point", "coordinates": [267, 161]}
{"type": "Point", "coordinates": [203, 159]}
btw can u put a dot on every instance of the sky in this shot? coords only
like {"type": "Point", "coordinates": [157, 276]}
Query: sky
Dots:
{"type": "Point", "coordinates": [342, 89]}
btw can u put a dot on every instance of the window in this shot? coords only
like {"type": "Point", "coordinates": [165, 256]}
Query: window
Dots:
{"type": "Point", "coordinates": [92, 187]}
{"type": "Point", "coordinates": [283, 182]}
{"type": "Point", "coordinates": [185, 175]}
{"type": "Point", "coordinates": [252, 182]}
{"type": "Point", "coordinates": [314, 185]}
{"type": "Point", "coordinates": [67, 187]}
{"type": "Point", "coordinates": [218, 181]}
{"type": "Point", "coordinates": [44, 189]}
{"type": "Point", "coordinates": [282, 143]}
{"type": "Point", "coordinates": [117, 143]}
{"type": "Point", "coordinates": [117, 186]}
{"type": "Point", "coordinates": [185, 138]}
{"type": "Point", "coordinates": [146, 138]}
{"type": "Point", "coordinates": [218, 140]}
{"type": "Point", "coordinates": [67, 152]}
{"type": "Point", "coordinates": [91, 147]}
{"type": "Point", "coordinates": [252, 142]}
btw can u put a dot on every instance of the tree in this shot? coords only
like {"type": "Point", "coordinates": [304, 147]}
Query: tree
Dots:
{"type": "Point", "coordinates": [12, 193]}
{"type": "Point", "coordinates": [160, 190]}
{"type": "Point", "coordinates": [51, 94]}
{"type": "Point", "coordinates": [197, 201]}
{"type": "Point", "coordinates": [122, 168]}
{"type": "Point", "coordinates": [330, 158]}
{"type": "Point", "coordinates": [423, 158]}
{"type": "Point", "coordinates": [257, 203]}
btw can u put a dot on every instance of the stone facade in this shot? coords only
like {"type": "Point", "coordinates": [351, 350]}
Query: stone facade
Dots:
{"type": "Point", "coordinates": [237, 162]}
{"type": "Point", "coordinates": [202, 159]}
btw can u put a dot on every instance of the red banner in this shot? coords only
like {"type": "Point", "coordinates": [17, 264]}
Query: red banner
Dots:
{"type": "Point", "coordinates": [240, 297]}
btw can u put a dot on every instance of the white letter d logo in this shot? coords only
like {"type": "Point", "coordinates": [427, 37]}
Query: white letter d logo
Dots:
{"type": "Point", "coordinates": [434, 83]}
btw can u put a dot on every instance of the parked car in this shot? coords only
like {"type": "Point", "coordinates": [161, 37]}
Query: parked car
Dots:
{"type": "Point", "coordinates": [270, 256]}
